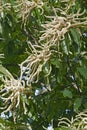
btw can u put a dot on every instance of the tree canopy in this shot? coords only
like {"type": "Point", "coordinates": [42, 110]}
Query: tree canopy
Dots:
{"type": "Point", "coordinates": [43, 64]}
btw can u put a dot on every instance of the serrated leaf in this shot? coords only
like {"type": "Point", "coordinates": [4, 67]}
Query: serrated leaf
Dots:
{"type": "Point", "coordinates": [67, 93]}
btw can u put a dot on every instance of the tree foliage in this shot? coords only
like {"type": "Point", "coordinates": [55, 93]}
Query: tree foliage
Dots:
{"type": "Point", "coordinates": [43, 68]}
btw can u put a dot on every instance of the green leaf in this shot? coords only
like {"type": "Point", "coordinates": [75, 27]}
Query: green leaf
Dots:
{"type": "Point", "coordinates": [85, 105]}
{"type": "Point", "coordinates": [77, 104]}
{"type": "Point", "coordinates": [75, 35]}
{"type": "Point", "coordinates": [59, 78]}
{"type": "Point", "coordinates": [67, 93]}
{"type": "Point", "coordinates": [5, 72]}
{"type": "Point", "coordinates": [55, 61]}
{"type": "Point", "coordinates": [61, 128]}
{"type": "Point", "coordinates": [82, 71]}
{"type": "Point", "coordinates": [46, 68]}
{"type": "Point", "coordinates": [24, 99]}
{"type": "Point", "coordinates": [64, 46]}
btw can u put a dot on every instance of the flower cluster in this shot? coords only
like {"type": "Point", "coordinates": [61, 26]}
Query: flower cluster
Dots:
{"type": "Point", "coordinates": [24, 8]}
{"type": "Point", "coordinates": [11, 93]}
{"type": "Point", "coordinates": [56, 28]}
{"type": "Point", "coordinates": [77, 123]}
{"type": "Point", "coordinates": [34, 63]}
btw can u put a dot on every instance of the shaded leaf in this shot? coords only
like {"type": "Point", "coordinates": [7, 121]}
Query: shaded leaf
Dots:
{"type": "Point", "coordinates": [85, 105]}
{"type": "Point", "coordinates": [77, 104]}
